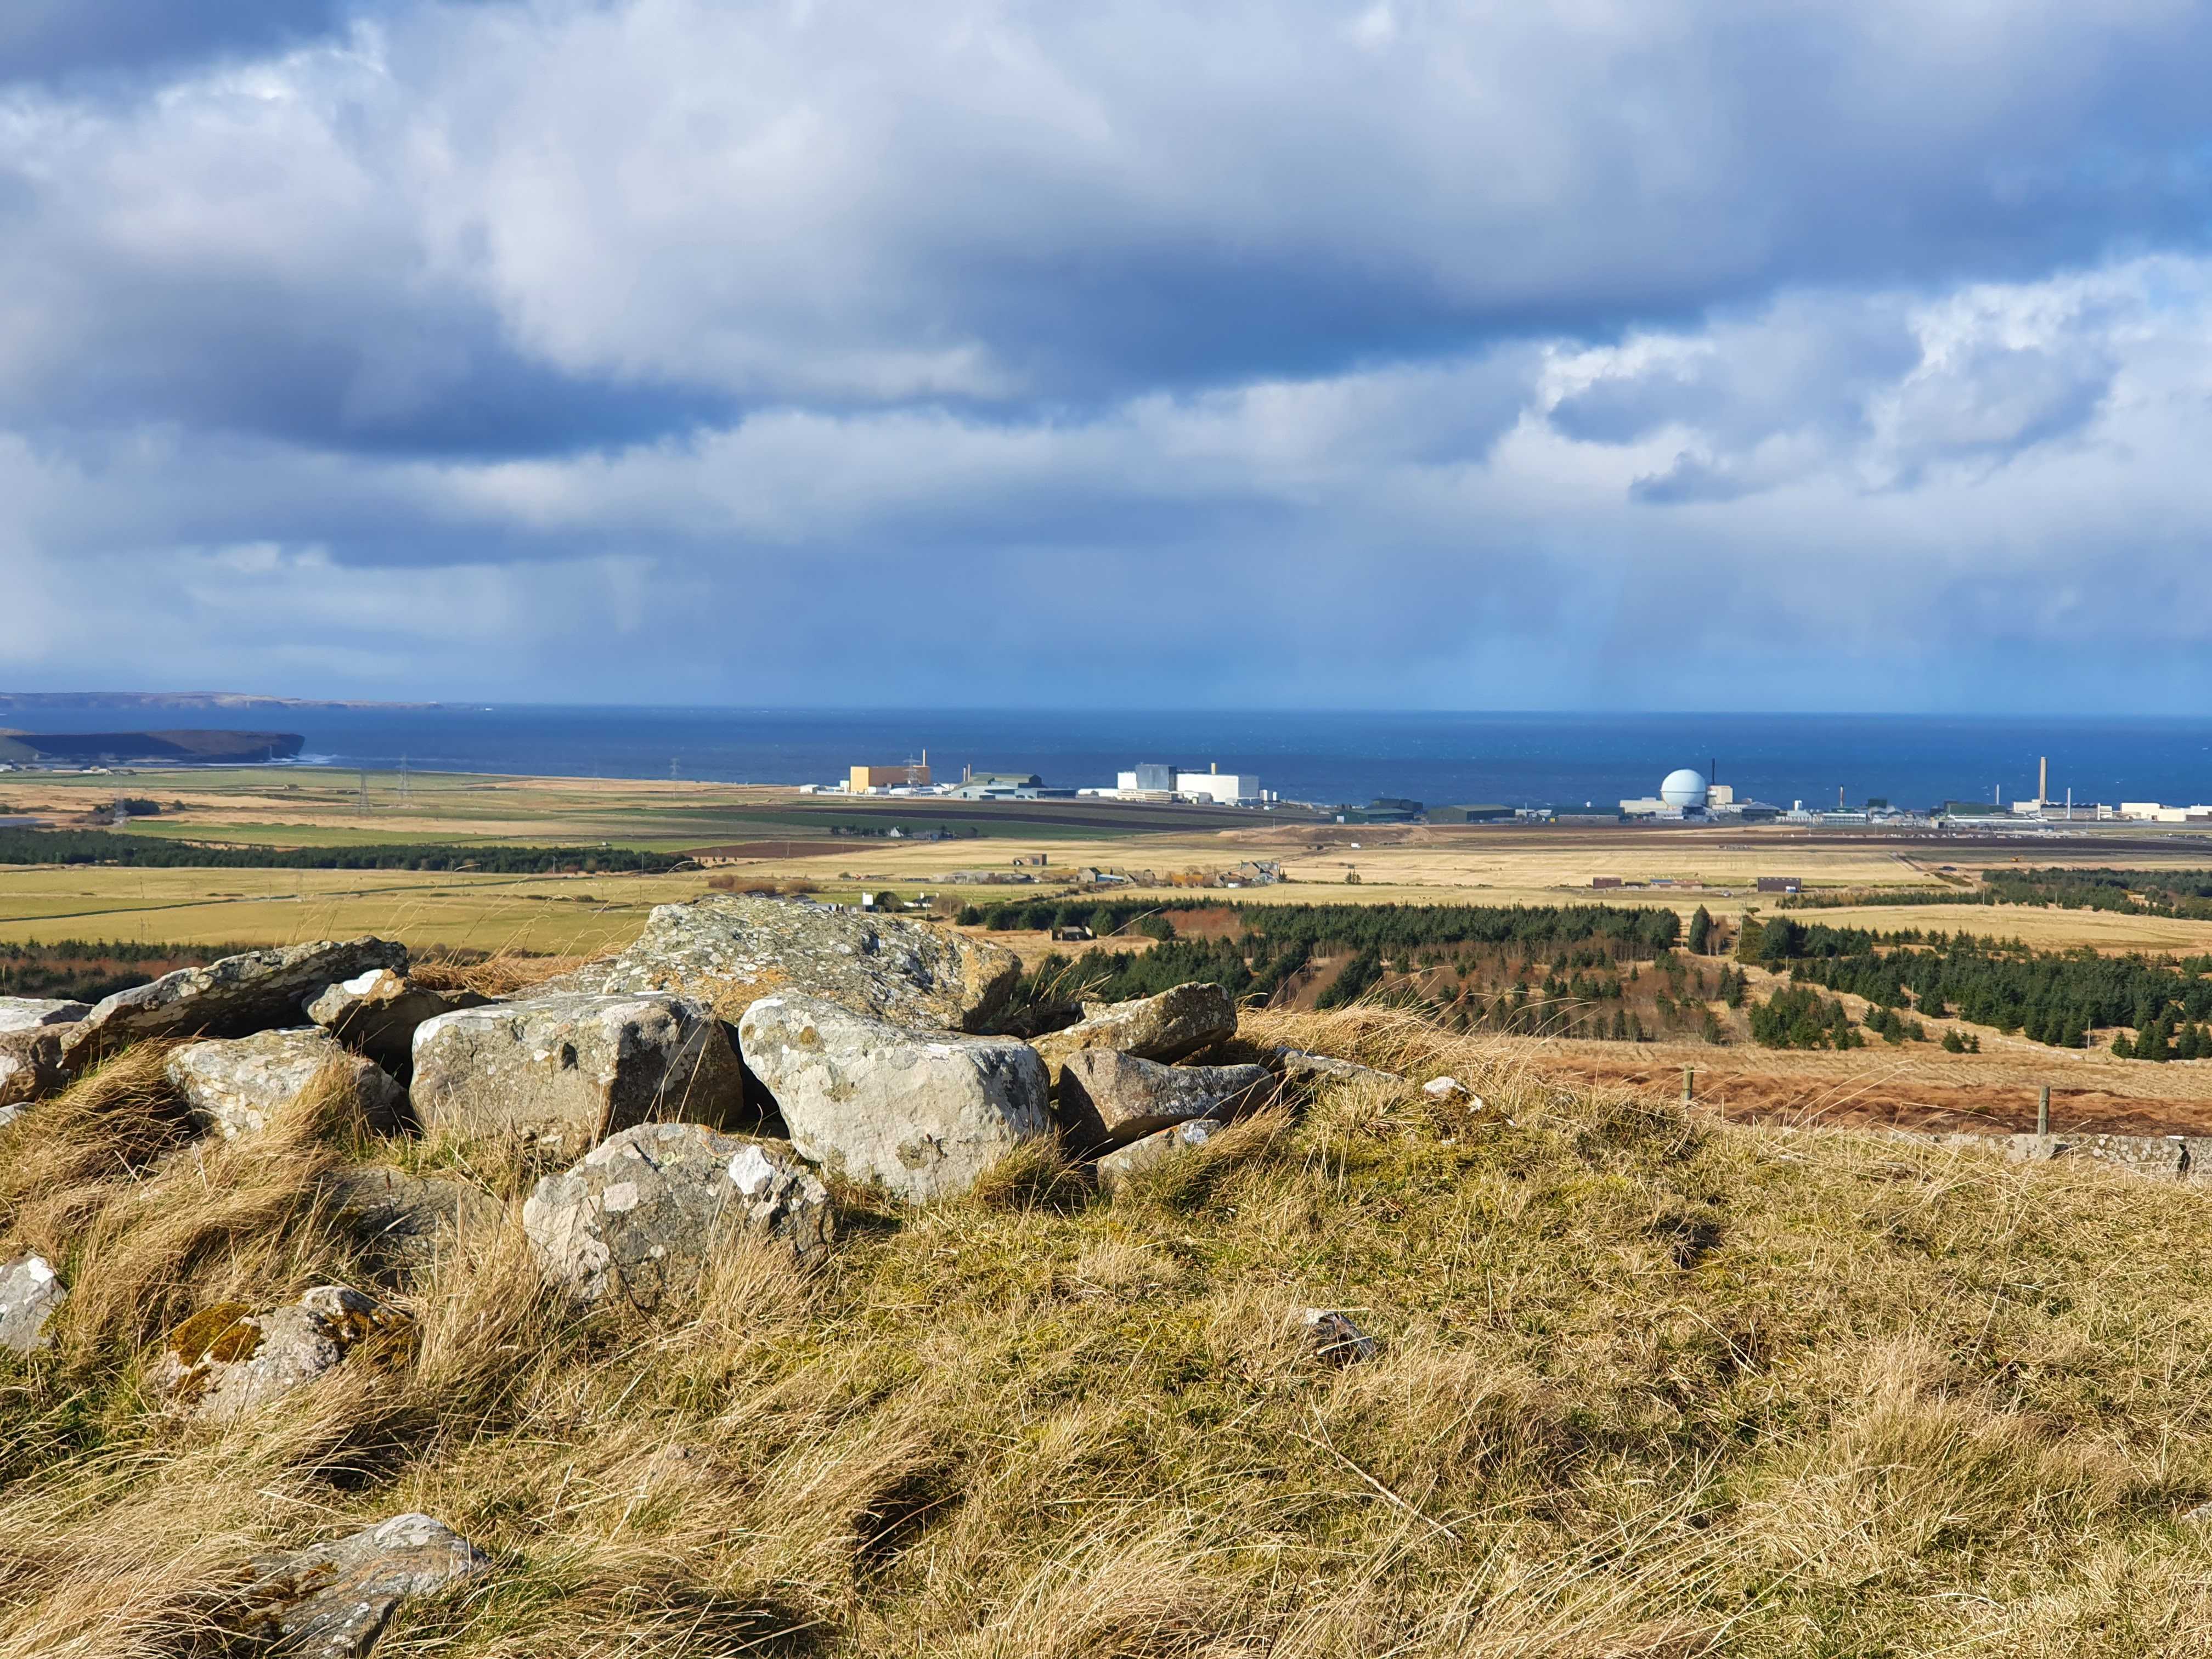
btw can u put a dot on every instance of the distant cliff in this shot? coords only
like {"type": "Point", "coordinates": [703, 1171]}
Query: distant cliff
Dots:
{"type": "Point", "coordinates": [26, 702]}
{"type": "Point", "coordinates": [194, 748]}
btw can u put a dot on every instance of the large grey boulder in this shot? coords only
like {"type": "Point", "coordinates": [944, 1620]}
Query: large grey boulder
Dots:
{"type": "Point", "coordinates": [332, 1601]}
{"type": "Point", "coordinates": [1108, 1099]}
{"type": "Point", "coordinates": [236, 1086]}
{"type": "Point", "coordinates": [227, 1359]}
{"type": "Point", "coordinates": [257, 991]}
{"type": "Point", "coordinates": [1123, 1161]}
{"type": "Point", "coordinates": [726, 949]}
{"type": "Point", "coordinates": [30, 1067]}
{"type": "Point", "coordinates": [573, 1068]}
{"type": "Point", "coordinates": [643, 1212]}
{"type": "Point", "coordinates": [1170, 1026]}
{"type": "Point", "coordinates": [24, 1013]}
{"type": "Point", "coordinates": [411, 1220]}
{"type": "Point", "coordinates": [923, 1112]}
{"type": "Point", "coordinates": [376, 1013]}
{"type": "Point", "coordinates": [30, 1293]}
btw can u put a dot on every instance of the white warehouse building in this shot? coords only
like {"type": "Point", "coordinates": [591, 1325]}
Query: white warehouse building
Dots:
{"type": "Point", "coordinates": [1226, 788]}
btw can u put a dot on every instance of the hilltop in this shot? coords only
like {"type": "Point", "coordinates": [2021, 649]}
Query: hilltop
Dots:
{"type": "Point", "coordinates": [1642, 1383]}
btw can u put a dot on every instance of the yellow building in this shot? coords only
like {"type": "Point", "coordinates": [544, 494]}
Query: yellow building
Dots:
{"type": "Point", "coordinates": [866, 778]}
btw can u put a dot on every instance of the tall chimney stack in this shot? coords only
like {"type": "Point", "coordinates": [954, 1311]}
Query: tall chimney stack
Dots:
{"type": "Point", "coordinates": [2042, 778]}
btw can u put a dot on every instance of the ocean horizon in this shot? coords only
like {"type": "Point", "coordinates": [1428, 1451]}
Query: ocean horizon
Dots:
{"type": "Point", "coordinates": [1516, 759]}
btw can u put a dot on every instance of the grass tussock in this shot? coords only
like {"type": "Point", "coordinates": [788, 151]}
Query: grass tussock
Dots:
{"type": "Point", "coordinates": [1644, 1386]}
{"type": "Point", "coordinates": [503, 974]}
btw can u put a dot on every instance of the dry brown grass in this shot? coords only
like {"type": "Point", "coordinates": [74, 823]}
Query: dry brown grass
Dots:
{"type": "Point", "coordinates": [504, 973]}
{"type": "Point", "coordinates": [1646, 1386]}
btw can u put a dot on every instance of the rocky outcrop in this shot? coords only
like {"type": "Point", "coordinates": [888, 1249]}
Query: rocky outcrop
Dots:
{"type": "Point", "coordinates": [1123, 1161]}
{"type": "Point", "coordinates": [30, 1293]}
{"type": "Point", "coordinates": [376, 1014]}
{"type": "Point", "coordinates": [1108, 1099]}
{"type": "Point", "coordinates": [644, 1214]}
{"type": "Point", "coordinates": [227, 1358]}
{"type": "Point", "coordinates": [259, 991]}
{"type": "Point", "coordinates": [924, 1113]}
{"type": "Point", "coordinates": [332, 1601]}
{"type": "Point", "coordinates": [1170, 1026]}
{"type": "Point", "coordinates": [237, 1085]}
{"type": "Point", "coordinates": [24, 1013]}
{"type": "Point", "coordinates": [574, 1067]}
{"type": "Point", "coordinates": [726, 949]}
{"type": "Point", "coordinates": [408, 1221]}
{"type": "Point", "coordinates": [30, 1067]}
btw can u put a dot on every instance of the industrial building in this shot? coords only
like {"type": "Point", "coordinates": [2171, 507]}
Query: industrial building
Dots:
{"type": "Point", "coordinates": [1150, 781]}
{"type": "Point", "coordinates": [912, 774]}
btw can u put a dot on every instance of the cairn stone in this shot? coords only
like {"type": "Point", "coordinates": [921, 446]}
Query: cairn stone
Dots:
{"type": "Point", "coordinates": [1299, 1067]}
{"type": "Point", "coordinates": [257, 991]}
{"type": "Point", "coordinates": [726, 949]}
{"type": "Point", "coordinates": [376, 1014]}
{"type": "Point", "coordinates": [28, 1013]}
{"type": "Point", "coordinates": [408, 1220]}
{"type": "Point", "coordinates": [30, 1293]}
{"type": "Point", "coordinates": [1123, 1161]}
{"type": "Point", "coordinates": [1172, 1026]}
{"type": "Point", "coordinates": [1108, 1099]}
{"type": "Point", "coordinates": [332, 1601]}
{"type": "Point", "coordinates": [923, 1112]}
{"type": "Point", "coordinates": [573, 1068]}
{"type": "Point", "coordinates": [30, 1067]}
{"type": "Point", "coordinates": [644, 1212]}
{"type": "Point", "coordinates": [237, 1085]}
{"type": "Point", "coordinates": [227, 1359]}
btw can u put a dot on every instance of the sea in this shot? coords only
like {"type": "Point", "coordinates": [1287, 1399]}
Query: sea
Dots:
{"type": "Point", "coordinates": [1327, 758]}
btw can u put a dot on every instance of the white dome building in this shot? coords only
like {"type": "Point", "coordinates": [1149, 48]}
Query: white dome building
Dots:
{"type": "Point", "coordinates": [1684, 787]}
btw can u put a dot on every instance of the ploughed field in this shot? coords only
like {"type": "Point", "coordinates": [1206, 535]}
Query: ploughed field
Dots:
{"type": "Point", "coordinates": [488, 1308]}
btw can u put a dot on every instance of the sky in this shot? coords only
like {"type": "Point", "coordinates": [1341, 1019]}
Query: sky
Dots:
{"type": "Point", "coordinates": [1600, 354]}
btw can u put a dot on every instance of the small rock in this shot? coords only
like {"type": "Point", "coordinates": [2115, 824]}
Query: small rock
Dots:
{"type": "Point", "coordinates": [30, 1294]}
{"type": "Point", "coordinates": [923, 1112]}
{"type": "Point", "coordinates": [27, 1013]}
{"type": "Point", "coordinates": [646, 1208]}
{"type": "Point", "coordinates": [1302, 1067]}
{"type": "Point", "coordinates": [1118, 1165]}
{"type": "Point", "coordinates": [1168, 1027]}
{"type": "Point", "coordinates": [726, 949]}
{"type": "Point", "coordinates": [410, 1220]}
{"type": "Point", "coordinates": [376, 1014]}
{"type": "Point", "coordinates": [574, 1067]}
{"type": "Point", "coordinates": [1335, 1340]}
{"type": "Point", "coordinates": [227, 1359]}
{"type": "Point", "coordinates": [1445, 1089]}
{"type": "Point", "coordinates": [237, 1085]}
{"type": "Point", "coordinates": [237, 996]}
{"type": "Point", "coordinates": [332, 1601]}
{"type": "Point", "coordinates": [30, 1067]}
{"type": "Point", "coordinates": [1108, 1099]}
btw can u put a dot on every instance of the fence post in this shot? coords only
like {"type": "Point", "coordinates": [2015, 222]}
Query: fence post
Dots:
{"type": "Point", "coordinates": [2043, 1110]}
{"type": "Point", "coordinates": [1689, 1084]}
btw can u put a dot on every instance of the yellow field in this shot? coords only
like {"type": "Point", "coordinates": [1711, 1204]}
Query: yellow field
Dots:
{"type": "Point", "coordinates": [558, 913]}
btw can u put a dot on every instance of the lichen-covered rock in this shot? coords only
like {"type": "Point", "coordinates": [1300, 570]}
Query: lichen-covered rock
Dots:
{"type": "Point", "coordinates": [30, 1293]}
{"type": "Point", "coordinates": [30, 1067]}
{"type": "Point", "coordinates": [23, 1013]}
{"type": "Point", "coordinates": [572, 1069]}
{"type": "Point", "coordinates": [727, 950]}
{"type": "Point", "coordinates": [1302, 1067]}
{"type": "Point", "coordinates": [1170, 1026]}
{"type": "Point", "coordinates": [236, 1086]}
{"type": "Point", "coordinates": [1123, 1161]}
{"type": "Point", "coordinates": [227, 1359]}
{"type": "Point", "coordinates": [237, 996]}
{"type": "Point", "coordinates": [643, 1212]}
{"type": "Point", "coordinates": [332, 1601]}
{"type": "Point", "coordinates": [1108, 1099]}
{"type": "Point", "coordinates": [923, 1112]}
{"type": "Point", "coordinates": [376, 1014]}
{"type": "Point", "coordinates": [411, 1220]}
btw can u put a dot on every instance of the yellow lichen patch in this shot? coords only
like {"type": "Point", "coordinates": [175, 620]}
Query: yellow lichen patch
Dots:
{"type": "Point", "coordinates": [223, 1333]}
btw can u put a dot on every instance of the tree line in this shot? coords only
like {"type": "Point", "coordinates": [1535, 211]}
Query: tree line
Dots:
{"type": "Point", "coordinates": [76, 847]}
